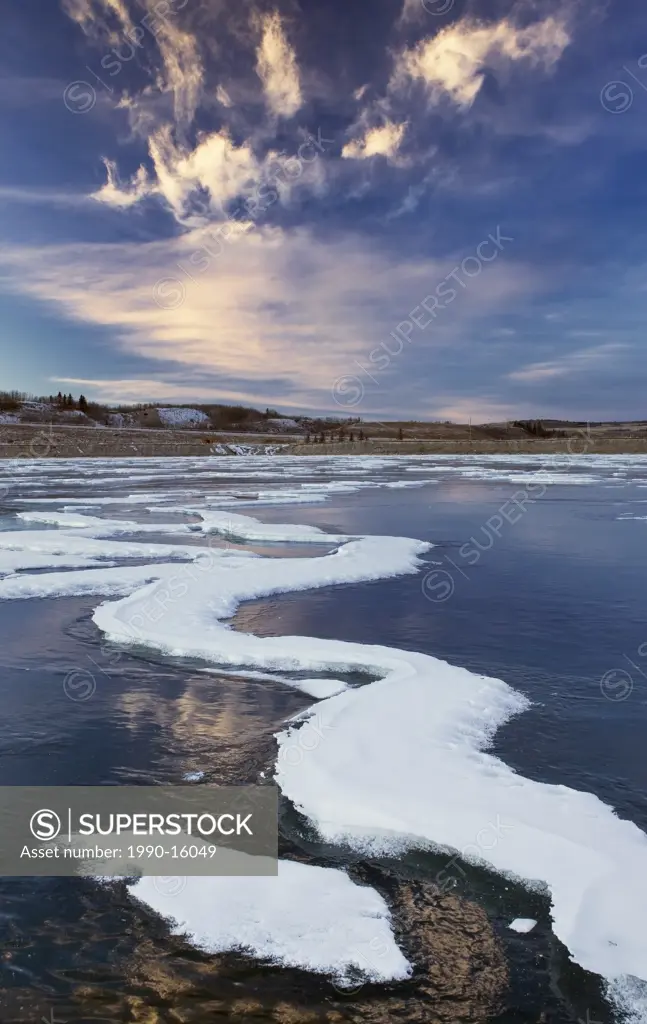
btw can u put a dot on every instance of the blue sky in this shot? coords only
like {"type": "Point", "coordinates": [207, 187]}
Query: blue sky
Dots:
{"type": "Point", "coordinates": [403, 208]}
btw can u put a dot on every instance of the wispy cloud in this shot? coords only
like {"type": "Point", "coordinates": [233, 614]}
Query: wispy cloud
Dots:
{"type": "Point", "coordinates": [110, 23]}
{"type": "Point", "coordinates": [113, 193]}
{"type": "Point", "coordinates": [580, 361]}
{"type": "Point", "coordinates": [452, 63]}
{"type": "Point", "coordinates": [183, 72]}
{"type": "Point", "coordinates": [272, 299]}
{"type": "Point", "coordinates": [379, 141]}
{"type": "Point", "coordinates": [478, 409]}
{"type": "Point", "coordinates": [100, 19]}
{"type": "Point", "coordinates": [223, 96]}
{"type": "Point", "coordinates": [277, 68]}
{"type": "Point", "coordinates": [197, 184]}
{"type": "Point", "coordinates": [41, 196]}
{"type": "Point", "coordinates": [121, 390]}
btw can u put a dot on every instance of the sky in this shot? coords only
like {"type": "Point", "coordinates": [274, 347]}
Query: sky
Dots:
{"type": "Point", "coordinates": [426, 209]}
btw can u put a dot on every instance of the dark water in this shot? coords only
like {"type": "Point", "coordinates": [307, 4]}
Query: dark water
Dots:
{"type": "Point", "coordinates": [553, 603]}
{"type": "Point", "coordinates": [553, 607]}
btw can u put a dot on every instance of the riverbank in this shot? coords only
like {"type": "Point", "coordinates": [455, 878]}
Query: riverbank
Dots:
{"type": "Point", "coordinates": [51, 441]}
{"type": "Point", "coordinates": [576, 445]}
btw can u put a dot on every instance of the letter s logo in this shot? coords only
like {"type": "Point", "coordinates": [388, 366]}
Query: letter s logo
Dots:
{"type": "Point", "coordinates": [45, 825]}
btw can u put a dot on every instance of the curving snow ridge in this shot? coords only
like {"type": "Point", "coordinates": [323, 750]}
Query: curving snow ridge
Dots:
{"type": "Point", "coordinates": [225, 524]}
{"type": "Point", "coordinates": [399, 762]}
{"type": "Point", "coordinates": [438, 784]}
{"type": "Point", "coordinates": [309, 917]}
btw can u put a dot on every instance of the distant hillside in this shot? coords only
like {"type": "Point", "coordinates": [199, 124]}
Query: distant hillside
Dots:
{"type": "Point", "coordinates": [17, 407]}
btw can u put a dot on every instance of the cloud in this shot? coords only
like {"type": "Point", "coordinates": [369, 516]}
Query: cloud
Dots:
{"type": "Point", "coordinates": [453, 62]}
{"type": "Point", "coordinates": [146, 389]}
{"type": "Point", "coordinates": [123, 196]}
{"type": "Point", "coordinates": [478, 409]}
{"type": "Point", "coordinates": [277, 68]}
{"type": "Point", "coordinates": [283, 313]}
{"type": "Point", "coordinates": [97, 18]}
{"type": "Point", "coordinates": [183, 73]}
{"type": "Point", "coordinates": [41, 196]}
{"type": "Point", "coordinates": [413, 10]}
{"type": "Point", "coordinates": [108, 22]}
{"type": "Point", "coordinates": [223, 96]}
{"type": "Point", "coordinates": [216, 167]}
{"type": "Point", "coordinates": [381, 141]}
{"type": "Point", "coordinates": [575, 362]}
{"type": "Point", "coordinates": [197, 184]}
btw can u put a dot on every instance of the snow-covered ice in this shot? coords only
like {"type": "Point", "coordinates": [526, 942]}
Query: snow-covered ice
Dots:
{"type": "Point", "coordinates": [318, 688]}
{"type": "Point", "coordinates": [307, 916]}
{"type": "Point", "coordinates": [523, 925]}
{"type": "Point", "coordinates": [400, 762]}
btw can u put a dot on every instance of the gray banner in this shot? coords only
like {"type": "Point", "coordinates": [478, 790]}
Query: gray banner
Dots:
{"type": "Point", "coordinates": [138, 830]}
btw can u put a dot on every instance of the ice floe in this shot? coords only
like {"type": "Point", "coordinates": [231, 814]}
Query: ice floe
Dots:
{"type": "Point", "coordinates": [523, 925]}
{"type": "Point", "coordinates": [307, 916]}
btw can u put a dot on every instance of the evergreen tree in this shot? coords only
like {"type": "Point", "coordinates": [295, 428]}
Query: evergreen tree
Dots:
{"type": "Point", "coordinates": [83, 403]}
{"type": "Point", "coordinates": [400, 434]}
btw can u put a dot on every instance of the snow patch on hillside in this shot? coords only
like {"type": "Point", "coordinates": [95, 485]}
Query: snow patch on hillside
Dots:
{"type": "Point", "coordinates": [183, 418]}
{"type": "Point", "coordinates": [120, 419]}
{"type": "Point", "coordinates": [283, 423]}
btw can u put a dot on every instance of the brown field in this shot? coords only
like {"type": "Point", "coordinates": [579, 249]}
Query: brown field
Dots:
{"type": "Point", "coordinates": [57, 441]}
{"type": "Point", "coordinates": [51, 441]}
